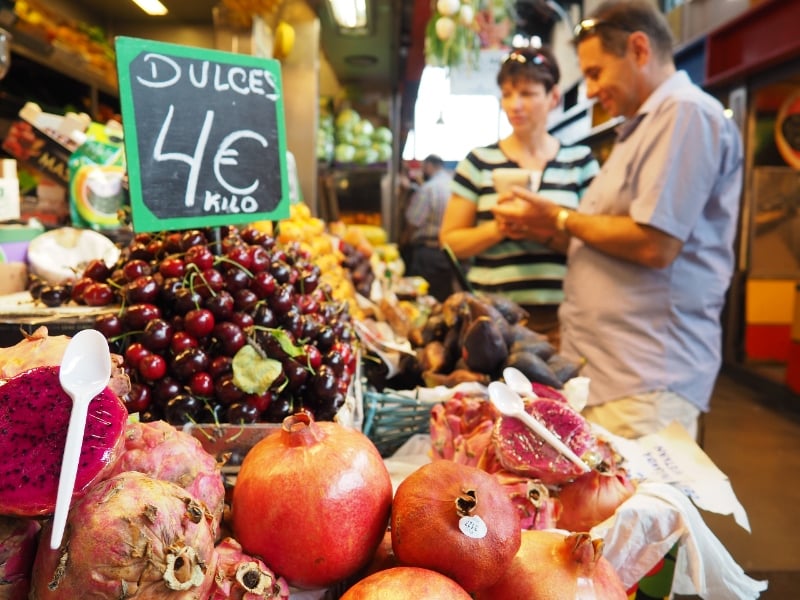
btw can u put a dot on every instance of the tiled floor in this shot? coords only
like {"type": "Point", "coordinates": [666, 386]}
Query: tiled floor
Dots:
{"type": "Point", "coordinates": [753, 434]}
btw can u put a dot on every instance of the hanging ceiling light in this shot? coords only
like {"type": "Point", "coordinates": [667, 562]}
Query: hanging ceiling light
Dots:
{"type": "Point", "coordinates": [151, 7]}
{"type": "Point", "coordinates": [350, 15]}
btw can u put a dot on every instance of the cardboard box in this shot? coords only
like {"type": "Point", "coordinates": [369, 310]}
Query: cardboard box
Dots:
{"type": "Point", "coordinates": [13, 277]}
{"type": "Point", "coordinates": [28, 144]}
{"type": "Point", "coordinates": [45, 141]}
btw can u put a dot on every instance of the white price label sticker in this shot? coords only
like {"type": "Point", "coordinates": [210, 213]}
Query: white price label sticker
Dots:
{"type": "Point", "coordinates": [473, 527]}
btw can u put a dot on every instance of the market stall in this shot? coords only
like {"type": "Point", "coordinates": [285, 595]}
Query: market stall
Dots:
{"type": "Point", "coordinates": [390, 379]}
{"type": "Point", "coordinates": [221, 333]}
{"type": "Point", "coordinates": [287, 415]}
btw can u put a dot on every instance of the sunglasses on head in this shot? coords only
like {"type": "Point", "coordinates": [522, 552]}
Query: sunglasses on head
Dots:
{"type": "Point", "coordinates": [588, 27]}
{"type": "Point", "coordinates": [526, 56]}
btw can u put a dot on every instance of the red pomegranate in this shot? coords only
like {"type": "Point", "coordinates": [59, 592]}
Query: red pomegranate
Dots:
{"type": "Point", "coordinates": [457, 520]}
{"type": "Point", "coordinates": [312, 500]}
{"type": "Point", "coordinates": [553, 565]}
{"type": "Point", "coordinates": [592, 498]}
{"type": "Point", "coordinates": [384, 557]}
{"type": "Point", "coordinates": [401, 583]}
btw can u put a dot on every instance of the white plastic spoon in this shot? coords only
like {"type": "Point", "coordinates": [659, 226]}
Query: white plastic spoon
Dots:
{"type": "Point", "coordinates": [85, 371]}
{"type": "Point", "coordinates": [510, 404]}
{"type": "Point", "coordinates": [576, 390]}
{"type": "Point", "coordinates": [519, 382]}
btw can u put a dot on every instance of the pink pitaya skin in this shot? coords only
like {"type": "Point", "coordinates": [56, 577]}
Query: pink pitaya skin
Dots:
{"type": "Point", "coordinates": [545, 391]}
{"type": "Point", "coordinates": [461, 428]}
{"type": "Point", "coordinates": [34, 415]}
{"type": "Point", "coordinates": [521, 451]}
{"type": "Point", "coordinates": [226, 587]}
{"type": "Point", "coordinates": [160, 450]}
{"type": "Point", "coordinates": [18, 541]}
{"type": "Point", "coordinates": [537, 509]}
{"type": "Point", "coordinates": [441, 432]}
{"type": "Point", "coordinates": [119, 542]}
{"type": "Point", "coordinates": [470, 447]}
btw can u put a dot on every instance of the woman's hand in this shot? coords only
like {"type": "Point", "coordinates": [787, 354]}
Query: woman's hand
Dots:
{"type": "Point", "coordinates": [524, 215]}
{"type": "Point", "coordinates": [512, 229]}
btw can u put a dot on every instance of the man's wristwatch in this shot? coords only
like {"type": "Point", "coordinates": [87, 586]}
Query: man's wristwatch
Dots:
{"type": "Point", "coordinates": [561, 219]}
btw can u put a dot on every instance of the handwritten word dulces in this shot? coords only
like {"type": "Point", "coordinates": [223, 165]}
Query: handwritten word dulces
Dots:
{"type": "Point", "coordinates": [165, 72]}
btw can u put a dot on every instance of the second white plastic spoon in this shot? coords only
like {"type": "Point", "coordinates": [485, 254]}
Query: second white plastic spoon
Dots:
{"type": "Point", "coordinates": [519, 382]}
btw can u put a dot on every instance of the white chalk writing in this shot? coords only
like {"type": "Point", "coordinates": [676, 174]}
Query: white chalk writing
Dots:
{"type": "Point", "coordinates": [166, 72]}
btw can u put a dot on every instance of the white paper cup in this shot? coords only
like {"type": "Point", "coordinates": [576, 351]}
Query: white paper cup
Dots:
{"type": "Point", "coordinates": [504, 179]}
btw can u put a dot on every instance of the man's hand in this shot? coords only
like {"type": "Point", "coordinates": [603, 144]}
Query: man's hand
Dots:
{"type": "Point", "coordinates": [616, 235]}
{"type": "Point", "coordinates": [525, 215]}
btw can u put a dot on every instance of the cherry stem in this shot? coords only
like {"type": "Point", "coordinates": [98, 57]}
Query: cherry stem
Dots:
{"type": "Point", "coordinates": [225, 259]}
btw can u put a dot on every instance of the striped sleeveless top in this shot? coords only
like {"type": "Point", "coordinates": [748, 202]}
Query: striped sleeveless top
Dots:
{"type": "Point", "coordinates": [528, 273]}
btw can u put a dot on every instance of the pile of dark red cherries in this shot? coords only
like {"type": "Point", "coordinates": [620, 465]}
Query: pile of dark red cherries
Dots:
{"type": "Point", "coordinates": [189, 301]}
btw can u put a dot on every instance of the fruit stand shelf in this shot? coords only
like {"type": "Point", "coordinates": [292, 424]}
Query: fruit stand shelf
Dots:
{"type": "Point", "coordinates": [19, 316]}
{"type": "Point", "coordinates": [69, 65]}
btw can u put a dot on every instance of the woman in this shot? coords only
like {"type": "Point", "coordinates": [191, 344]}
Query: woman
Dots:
{"type": "Point", "coordinates": [503, 260]}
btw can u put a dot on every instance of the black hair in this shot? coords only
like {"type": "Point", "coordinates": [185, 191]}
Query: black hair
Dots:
{"type": "Point", "coordinates": [530, 64]}
{"type": "Point", "coordinates": [434, 160]}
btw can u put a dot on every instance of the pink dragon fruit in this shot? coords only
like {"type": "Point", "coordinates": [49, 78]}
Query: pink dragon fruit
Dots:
{"type": "Point", "coordinates": [546, 391]}
{"type": "Point", "coordinates": [131, 536]}
{"type": "Point", "coordinates": [243, 577]}
{"type": "Point", "coordinates": [160, 450]}
{"type": "Point", "coordinates": [34, 415]}
{"type": "Point", "coordinates": [39, 349]}
{"type": "Point", "coordinates": [521, 451]}
{"type": "Point", "coordinates": [461, 428]}
{"type": "Point", "coordinates": [18, 539]}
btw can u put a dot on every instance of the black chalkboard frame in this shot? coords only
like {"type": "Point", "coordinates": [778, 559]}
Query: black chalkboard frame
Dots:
{"type": "Point", "coordinates": [155, 184]}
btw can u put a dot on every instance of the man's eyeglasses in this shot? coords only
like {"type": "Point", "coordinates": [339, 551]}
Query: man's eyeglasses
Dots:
{"type": "Point", "coordinates": [588, 27]}
{"type": "Point", "coordinates": [523, 57]}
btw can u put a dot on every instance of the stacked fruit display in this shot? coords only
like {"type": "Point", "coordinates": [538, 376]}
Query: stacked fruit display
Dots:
{"type": "Point", "coordinates": [146, 514]}
{"type": "Point", "coordinates": [330, 253]}
{"type": "Point", "coordinates": [359, 141]}
{"type": "Point", "coordinates": [472, 337]}
{"type": "Point", "coordinates": [86, 45]}
{"type": "Point", "coordinates": [325, 131]}
{"type": "Point", "coordinates": [223, 326]}
{"type": "Point", "coordinates": [310, 508]}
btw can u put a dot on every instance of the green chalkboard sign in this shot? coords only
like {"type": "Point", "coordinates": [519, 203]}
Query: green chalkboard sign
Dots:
{"type": "Point", "coordinates": [205, 137]}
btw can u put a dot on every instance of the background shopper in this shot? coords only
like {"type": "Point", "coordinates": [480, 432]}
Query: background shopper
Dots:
{"type": "Point", "coordinates": [424, 216]}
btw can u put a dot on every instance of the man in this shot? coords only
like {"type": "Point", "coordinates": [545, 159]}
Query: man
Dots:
{"type": "Point", "coordinates": [424, 215]}
{"type": "Point", "coordinates": [650, 248]}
